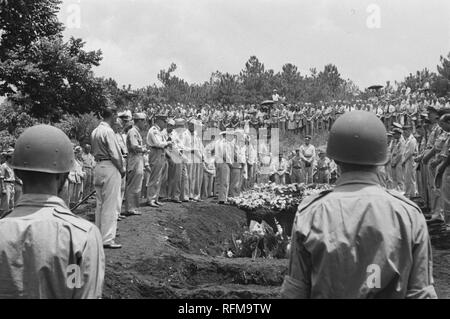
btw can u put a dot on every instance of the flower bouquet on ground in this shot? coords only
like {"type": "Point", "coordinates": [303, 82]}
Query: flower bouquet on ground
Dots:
{"type": "Point", "coordinates": [275, 203]}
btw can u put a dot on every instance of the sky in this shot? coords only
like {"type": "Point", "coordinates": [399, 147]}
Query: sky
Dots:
{"type": "Point", "coordinates": [370, 42]}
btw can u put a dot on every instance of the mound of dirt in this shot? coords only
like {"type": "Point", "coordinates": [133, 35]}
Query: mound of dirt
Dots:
{"type": "Point", "coordinates": [175, 251]}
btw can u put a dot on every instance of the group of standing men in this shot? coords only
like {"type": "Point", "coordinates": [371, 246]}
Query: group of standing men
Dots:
{"type": "Point", "coordinates": [418, 161]}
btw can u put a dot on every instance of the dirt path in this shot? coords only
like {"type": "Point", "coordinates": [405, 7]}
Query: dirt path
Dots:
{"type": "Point", "coordinates": [176, 252]}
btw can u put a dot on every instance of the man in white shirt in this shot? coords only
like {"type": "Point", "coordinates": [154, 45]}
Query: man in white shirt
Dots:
{"type": "Point", "coordinates": [308, 154]}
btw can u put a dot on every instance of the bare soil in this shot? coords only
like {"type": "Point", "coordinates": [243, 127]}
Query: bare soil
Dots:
{"type": "Point", "coordinates": [176, 251]}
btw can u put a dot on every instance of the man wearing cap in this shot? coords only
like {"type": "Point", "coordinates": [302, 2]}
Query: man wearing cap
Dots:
{"type": "Point", "coordinates": [224, 156]}
{"type": "Point", "coordinates": [135, 165]}
{"type": "Point", "coordinates": [164, 193]}
{"type": "Point", "coordinates": [359, 240]}
{"type": "Point", "coordinates": [296, 168]}
{"type": "Point", "coordinates": [308, 154]}
{"type": "Point", "coordinates": [157, 145]}
{"type": "Point", "coordinates": [9, 179]}
{"type": "Point", "coordinates": [178, 187]}
{"type": "Point", "coordinates": [237, 167]}
{"type": "Point", "coordinates": [398, 148]}
{"type": "Point", "coordinates": [121, 127]}
{"type": "Point", "coordinates": [108, 172]}
{"type": "Point", "coordinates": [281, 167]}
{"type": "Point", "coordinates": [195, 165]}
{"type": "Point", "coordinates": [45, 250]}
{"type": "Point", "coordinates": [410, 150]}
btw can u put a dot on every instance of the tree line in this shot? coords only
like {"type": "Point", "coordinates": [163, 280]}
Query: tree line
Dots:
{"type": "Point", "coordinates": [47, 79]}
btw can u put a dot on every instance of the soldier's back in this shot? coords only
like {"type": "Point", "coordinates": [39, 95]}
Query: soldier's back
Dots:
{"type": "Point", "coordinates": [47, 252]}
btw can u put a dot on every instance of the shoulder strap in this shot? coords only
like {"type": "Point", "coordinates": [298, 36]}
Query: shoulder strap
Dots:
{"type": "Point", "coordinates": [402, 198]}
{"type": "Point", "coordinates": [308, 201]}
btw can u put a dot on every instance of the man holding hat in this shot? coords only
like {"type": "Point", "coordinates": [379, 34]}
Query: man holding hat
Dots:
{"type": "Point", "coordinates": [157, 145]}
{"type": "Point", "coordinates": [135, 165]}
{"type": "Point", "coordinates": [359, 240]}
{"type": "Point", "coordinates": [308, 154]}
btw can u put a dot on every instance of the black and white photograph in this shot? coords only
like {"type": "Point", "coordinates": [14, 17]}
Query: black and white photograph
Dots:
{"type": "Point", "coordinates": [201, 151]}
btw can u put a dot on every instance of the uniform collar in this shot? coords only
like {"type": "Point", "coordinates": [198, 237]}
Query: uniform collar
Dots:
{"type": "Point", "coordinates": [42, 200]}
{"type": "Point", "coordinates": [358, 177]}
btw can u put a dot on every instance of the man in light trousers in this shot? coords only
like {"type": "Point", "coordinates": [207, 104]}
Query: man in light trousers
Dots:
{"type": "Point", "coordinates": [107, 178]}
{"type": "Point", "coordinates": [135, 165]}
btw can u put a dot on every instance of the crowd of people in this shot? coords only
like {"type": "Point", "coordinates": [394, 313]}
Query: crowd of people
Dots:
{"type": "Point", "coordinates": [185, 154]}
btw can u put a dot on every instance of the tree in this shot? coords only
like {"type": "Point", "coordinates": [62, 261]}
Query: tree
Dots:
{"type": "Point", "coordinates": [41, 73]}
{"type": "Point", "coordinates": [175, 89]}
{"type": "Point", "coordinates": [23, 22]}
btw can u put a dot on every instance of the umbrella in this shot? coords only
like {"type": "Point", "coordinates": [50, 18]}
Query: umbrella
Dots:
{"type": "Point", "coordinates": [375, 87]}
{"type": "Point", "coordinates": [267, 102]}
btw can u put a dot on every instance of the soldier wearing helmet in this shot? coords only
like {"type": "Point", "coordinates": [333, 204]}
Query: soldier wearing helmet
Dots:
{"type": "Point", "coordinates": [359, 240]}
{"type": "Point", "coordinates": [45, 250]}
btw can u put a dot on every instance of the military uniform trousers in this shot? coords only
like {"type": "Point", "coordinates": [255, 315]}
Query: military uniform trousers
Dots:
{"type": "Point", "coordinates": [308, 174]}
{"type": "Point", "coordinates": [195, 173]}
{"type": "Point", "coordinates": [279, 179]}
{"type": "Point", "coordinates": [297, 175]}
{"type": "Point", "coordinates": [323, 176]}
{"type": "Point", "coordinates": [174, 180]}
{"type": "Point", "coordinates": [135, 175]}
{"type": "Point", "coordinates": [223, 181]}
{"type": "Point", "coordinates": [75, 192]}
{"type": "Point", "coordinates": [88, 182]}
{"type": "Point", "coordinates": [398, 177]}
{"type": "Point", "coordinates": [207, 184]}
{"type": "Point", "coordinates": [156, 160]}
{"type": "Point", "coordinates": [235, 180]}
{"type": "Point", "coordinates": [164, 180]}
{"type": "Point", "coordinates": [8, 196]}
{"type": "Point", "coordinates": [410, 179]}
{"type": "Point", "coordinates": [107, 183]}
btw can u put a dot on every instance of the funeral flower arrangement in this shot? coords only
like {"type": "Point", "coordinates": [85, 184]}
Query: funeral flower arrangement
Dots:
{"type": "Point", "coordinates": [276, 198]}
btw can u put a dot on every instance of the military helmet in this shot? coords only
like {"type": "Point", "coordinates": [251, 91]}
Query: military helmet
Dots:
{"type": "Point", "coordinates": [43, 148]}
{"type": "Point", "coordinates": [358, 137]}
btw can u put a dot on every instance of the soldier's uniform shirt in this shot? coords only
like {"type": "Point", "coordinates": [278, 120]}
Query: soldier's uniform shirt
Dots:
{"type": "Point", "coordinates": [155, 137]}
{"type": "Point", "coordinates": [308, 151]}
{"type": "Point", "coordinates": [342, 238]}
{"type": "Point", "coordinates": [41, 244]}
{"type": "Point", "coordinates": [334, 252]}
{"type": "Point", "coordinates": [105, 145]}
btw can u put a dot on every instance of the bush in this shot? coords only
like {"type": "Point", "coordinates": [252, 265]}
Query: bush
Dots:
{"type": "Point", "coordinates": [79, 127]}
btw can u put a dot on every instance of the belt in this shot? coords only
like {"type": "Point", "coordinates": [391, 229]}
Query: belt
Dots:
{"type": "Point", "coordinates": [297, 167]}
{"type": "Point", "coordinates": [9, 181]}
